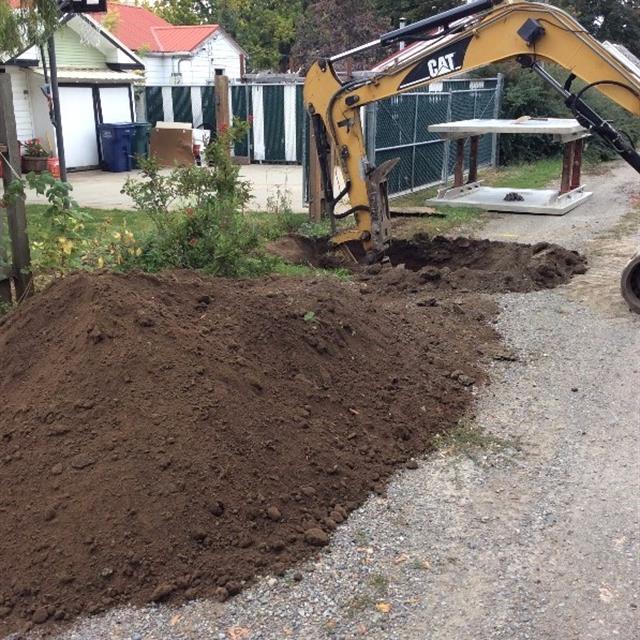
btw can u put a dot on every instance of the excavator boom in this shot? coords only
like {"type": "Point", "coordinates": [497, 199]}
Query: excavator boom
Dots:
{"type": "Point", "coordinates": [460, 40]}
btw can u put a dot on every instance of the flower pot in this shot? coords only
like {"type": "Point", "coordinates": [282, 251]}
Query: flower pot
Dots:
{"type": "Point", "coordinates": [32, 163]}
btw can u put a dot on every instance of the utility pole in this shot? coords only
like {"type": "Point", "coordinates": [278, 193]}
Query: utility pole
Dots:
{"type": "Point", "coordinates": [55, 98]}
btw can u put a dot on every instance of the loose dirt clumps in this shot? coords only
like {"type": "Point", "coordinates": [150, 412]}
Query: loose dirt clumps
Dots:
{"type": "Point", "coordinates": [486, 265]}
{"type": "Point", "coordinates": [448, 264]}
{"type": "Point", "coordinates": [169, 437]}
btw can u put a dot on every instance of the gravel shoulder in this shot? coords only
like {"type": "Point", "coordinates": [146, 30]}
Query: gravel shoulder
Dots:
{"type": "Point", "coordinates": [533, 535]}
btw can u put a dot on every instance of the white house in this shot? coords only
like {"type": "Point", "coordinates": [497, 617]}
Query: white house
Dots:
{"type": "Point", "coordinates": [175, 55]}
{"type": "Point", "coordinates": [97, 75]}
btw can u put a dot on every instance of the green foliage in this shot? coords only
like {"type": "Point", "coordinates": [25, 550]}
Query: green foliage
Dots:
{"type": "Point", "coordinates": [527, 94]}
{"type": "Point", "coordinates": [31, 24]}
{"type": "Point", "coordinates": [164, 197]}
{"type": "Point", "coordinates": [5, 308]}
{"type": "Point", "coordinates": [61, 242]}
{"type": "Point", "coordinates": [216, 238]}
{"type": "Point", "coordinates": [198, 216]}
{"type": "Point", "coordinates": [330, 26]}
{"type": "Point", "coordinates": [265, 29]}
{"type": "Point", "coordinates": [614, 20]}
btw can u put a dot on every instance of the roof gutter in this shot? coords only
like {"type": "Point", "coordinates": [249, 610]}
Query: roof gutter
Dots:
{"type": "Point", "coordinates": [168, 54]}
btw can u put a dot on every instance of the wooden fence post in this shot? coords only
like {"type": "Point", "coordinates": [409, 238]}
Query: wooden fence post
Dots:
{"type": "Point", "coordinates": [223, 119]}
{"type": "Point", "coordinates": [16, 211]}
{"type": "Point", "coordinates": [5, 272]}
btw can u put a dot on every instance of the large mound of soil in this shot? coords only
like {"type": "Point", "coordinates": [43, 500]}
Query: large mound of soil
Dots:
{"type": "Point", "coordinates": [451, 263]}
{"type": "Point", "coordinates": [170, 437]}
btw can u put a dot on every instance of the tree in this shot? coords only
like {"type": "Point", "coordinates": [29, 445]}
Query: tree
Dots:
{"type": "Point", "coordinates": [414, 10]}
{"type": "Point", "coordinates": [265, 28]}
{"type": "Point", "coordinates": [614, 20]}
{"type": "Point", "coordinates": [28, 23]}
{"type": "Point", "coordinates": [332, 26]}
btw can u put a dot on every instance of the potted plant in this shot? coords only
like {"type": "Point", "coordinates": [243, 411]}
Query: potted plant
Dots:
{"type": "Point", "coordinates": [34, 156]}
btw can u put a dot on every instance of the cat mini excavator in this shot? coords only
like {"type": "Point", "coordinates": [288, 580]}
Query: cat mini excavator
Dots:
{"type": "Point", "coordinates": [459, 40]}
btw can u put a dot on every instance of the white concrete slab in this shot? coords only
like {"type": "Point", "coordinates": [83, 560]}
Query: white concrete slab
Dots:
{"type": "Point", "coordinates": [567, 128]}
{"type": "Point", "coordinates": [536, 201]}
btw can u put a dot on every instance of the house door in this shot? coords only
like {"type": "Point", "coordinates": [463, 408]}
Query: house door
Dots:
{"type": "Point", "coordinates": [79, 127]}
{"type": "Point", "coordinates": [115, 104]}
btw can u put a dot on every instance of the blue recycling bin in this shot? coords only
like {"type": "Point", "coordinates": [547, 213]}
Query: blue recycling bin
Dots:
{"type": "Point", "coordinates": [116, 140]}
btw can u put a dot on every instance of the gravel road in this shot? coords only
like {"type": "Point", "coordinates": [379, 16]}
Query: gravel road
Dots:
{"type": "Point", "coordinates": [533, 535]}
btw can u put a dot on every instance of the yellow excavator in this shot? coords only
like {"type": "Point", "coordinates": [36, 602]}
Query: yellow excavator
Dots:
{"type": "Point", "coordinates": [460, 40]}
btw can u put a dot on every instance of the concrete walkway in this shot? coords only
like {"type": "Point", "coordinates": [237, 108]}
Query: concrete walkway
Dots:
{"type": "Point", "coordinates": [101, 189]}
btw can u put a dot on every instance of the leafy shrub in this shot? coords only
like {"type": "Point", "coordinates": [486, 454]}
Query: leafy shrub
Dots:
{"type": "Point", "coordinates": [215, 237]}
{"type": "Point", "coordinates": [198, 215]}
{"type": "Point", "coordinates": [62, 243]}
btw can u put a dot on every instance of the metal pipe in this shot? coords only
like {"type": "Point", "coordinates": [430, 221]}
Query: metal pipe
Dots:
{"type": "Point", "coordinates": [350, 52]}
{"type": "Point", "coordinates": [55, 98]}
{"type": "Point", "coordinates": [443, 19]}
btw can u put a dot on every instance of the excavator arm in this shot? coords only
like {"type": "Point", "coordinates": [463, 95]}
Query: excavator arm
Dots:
{"type": "Point", "coordinates": [460, 40]}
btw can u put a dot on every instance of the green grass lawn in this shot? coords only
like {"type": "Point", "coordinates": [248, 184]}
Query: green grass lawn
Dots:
{"type": "Point", "coordinates": [272, 226]}
{"type": "Point", "coordinates": [136, 222]}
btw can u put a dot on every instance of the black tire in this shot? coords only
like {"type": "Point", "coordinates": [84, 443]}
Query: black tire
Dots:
{"type": "Point", "coordinates": [630, 283]}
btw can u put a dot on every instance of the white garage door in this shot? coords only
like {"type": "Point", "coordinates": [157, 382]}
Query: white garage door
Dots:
{"type": "Point", "coordinates": [115, 104]}
{"type": "Point", "coordinates": [79, 127]}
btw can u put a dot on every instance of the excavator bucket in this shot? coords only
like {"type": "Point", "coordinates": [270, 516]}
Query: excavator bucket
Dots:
{"type": "Point", "coordinates": [378, 192]}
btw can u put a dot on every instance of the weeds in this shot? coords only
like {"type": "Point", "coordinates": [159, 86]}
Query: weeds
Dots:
{"type": "Point", "coordinates": [467, 439]}
{"type": "Point", "coordinates": [5, 308]}
{"type": "Point", "coordinates": [380, 583]}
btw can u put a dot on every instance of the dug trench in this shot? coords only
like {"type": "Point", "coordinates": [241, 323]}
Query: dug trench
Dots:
{"type": "Point", "coordinates": [170, 437]}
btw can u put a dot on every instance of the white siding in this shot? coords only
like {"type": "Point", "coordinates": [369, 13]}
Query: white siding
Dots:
{"type": "Point", "coordinates": [224, 55]}
{"type": "Point", "coordinates": [42, 127]}
{"type": "Point", "coordinates": [21, 103]}
{"type": "Point", "coordinates": [157, 70]}
{"type": "Point", "coordinates": [217, 53]}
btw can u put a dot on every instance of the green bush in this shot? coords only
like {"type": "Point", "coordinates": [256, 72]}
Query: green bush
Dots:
{"type": "Point", "coordinates": [216, 238]}
{"type": "Point", "coordinates": [198, 214]}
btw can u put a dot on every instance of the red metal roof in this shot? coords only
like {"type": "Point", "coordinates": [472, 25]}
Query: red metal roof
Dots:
{"type": "Point", "coordinates": [138, 28]}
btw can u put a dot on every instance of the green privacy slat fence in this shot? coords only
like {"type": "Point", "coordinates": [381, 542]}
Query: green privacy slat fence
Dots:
{"type": "Point", "coordinates": [240, 109]}
{"type": "Point", "coordinates": [274, 142]}
{"type": "Point", "coordinates": [181, 98]}
{"type": "Point", "coordinates": [398, 128]}
{"type": "Point", "coordinates": [208, 108]}
{"type": "Point", "coordinates": [155, 110]}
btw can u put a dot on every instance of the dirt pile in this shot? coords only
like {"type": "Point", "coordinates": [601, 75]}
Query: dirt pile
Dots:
{"type": "Point", "coordinates": [446, 264]}
{"type": "Point", "coordinates": [164, 438]}
{"type": "Point", "coordinates": [485, 265]}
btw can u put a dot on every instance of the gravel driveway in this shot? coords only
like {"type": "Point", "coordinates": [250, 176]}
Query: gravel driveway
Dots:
{"type": "Point", "coordinates": [535, 534]}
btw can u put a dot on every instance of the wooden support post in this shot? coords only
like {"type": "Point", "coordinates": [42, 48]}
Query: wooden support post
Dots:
{"type": "Point", "coordinates": [473, 158]}
{"type": "Point", "coordinates": [223, 118]}
{"type": "Point", "coordinates": [576, 170]}
{"type": "Point", "coordinates": [16, 211]}
{"type": "Point", "coordinates": [5, 280]}
{"type": "Point", "coordinates": [458, 177]}
{"type": "Point", "coordinates": [567, 167]}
